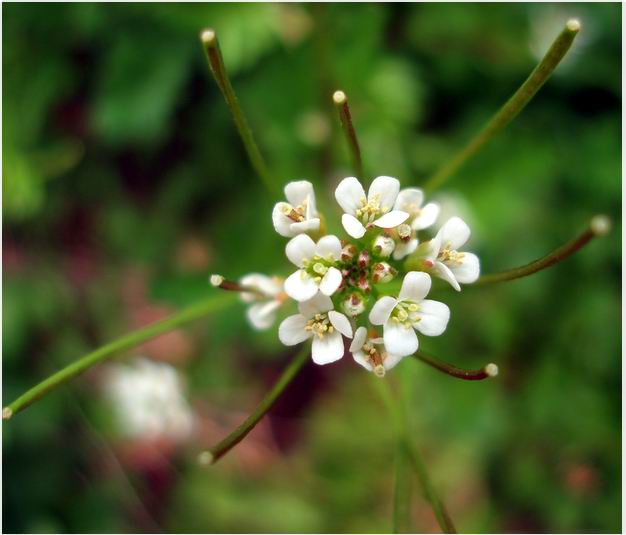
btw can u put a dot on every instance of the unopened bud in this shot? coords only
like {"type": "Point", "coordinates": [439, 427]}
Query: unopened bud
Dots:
{"type": "Point", "coordinates": [404, 232]}
{"type": "Point", "coordinates": [384, 246]}
{"type": "Point", "coordinates": [348, 252]}
{"type": "Point", "coordinates": [7, 413]}
{"type": "Point", "coordinates": [354, 305]}
{"type": "Point", "coordinates": [383, 272]}
{"type": "Point", "coordinates": [491, 369]}
{"type": "Point", "coordinates": [216, 280]}
{"type": "Point", "coordinates": [364, 259]}
{"type": "Point", "coordinates": [205, 458]}
{"type": "Point", "coordinates": [363, 284]}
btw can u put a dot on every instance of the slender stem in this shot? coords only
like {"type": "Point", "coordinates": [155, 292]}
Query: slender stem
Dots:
{"type": "Point", "coordinates": [599, 225]}
{"type": "Point", "coordinates": [489, 370]}
{"type": "Point", "coordinates": [107, 351]}
{"type": "Point", "coordinates": [402, 490]}
{"type": "Point", "coordinates": [439, 508]}
{"type": "Point", "coordinates": [513, 106]}
{"type": "Point", "coordinates": [216, 64]}
{"type": "Point", "coordinates": [341, 103]}
{"type": "Point", "coordinates": [214, 453]}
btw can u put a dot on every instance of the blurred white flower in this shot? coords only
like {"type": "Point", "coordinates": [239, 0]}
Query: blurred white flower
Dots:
{"type": "Point", "coordinates": [147, 398]}
{"type": "Point", "coordinates": [267, 301]}
{"type": "Point", "coordinates": [299, 214]}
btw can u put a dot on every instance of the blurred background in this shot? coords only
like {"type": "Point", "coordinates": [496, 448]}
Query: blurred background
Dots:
{"type": "Point", "coordinates": [125, 185]}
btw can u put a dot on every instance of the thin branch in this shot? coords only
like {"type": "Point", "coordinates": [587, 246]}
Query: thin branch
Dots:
{"type": "Point", "coordinates": [599, 225]}
{"type": "Point", "coordinates": [513, 106]}
{"type": "Point", "coordinates": [487, 371]}
{"type": "Point", "coordinates": [192, 313]}
{"type": "Point", "coordinates": [216, 64]}
{"type": "Point", "coordinates": [341, 103]}
{"type": "Point", "coordinates": [214, 453]}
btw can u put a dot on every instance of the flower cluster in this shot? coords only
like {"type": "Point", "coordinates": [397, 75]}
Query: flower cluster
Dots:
{"type": "Point", "coordinates": [342, 286]}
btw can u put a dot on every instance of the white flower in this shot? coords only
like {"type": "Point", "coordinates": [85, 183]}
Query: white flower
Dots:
{"type": "Point", "coordinates": [410, 201]}
{"type": "Point", "coordinates": [410, 311]}
{"type": "Point", "coordinates": [317, 319]}
{"type": "Point", "coordinates": [371, 353]}
{"type": "Point", "coordinates": [299, 215]}
{"type": "Point", "coordinates": [375, 209]}
{"type": "Point", "coordinates": [317, 266]}
{"type": "Point", "coordinates": [270, 296]}
{"type": "Point", "coordinates": [148, 399]}
{"type": "Point", "coordinates": [447, 262]}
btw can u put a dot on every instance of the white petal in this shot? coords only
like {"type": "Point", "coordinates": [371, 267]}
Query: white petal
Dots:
{"type": "Point", "coordinates": [300, 286]}
{"type": "Point", "coordinates": [311, 209]}
{"type": "Point", "coordinates": [454, 233]}
{"type": "Point", "coordinates": [415, 286]}
{"type": "Point", "coordinates": [409, 200]}
{"type": "Point", "coordinates": [331, 281]}
{"type": "Point", "coordinates": [443, 272]}
{"type": "Point", "coordinates": [360, 336]}
{"type": "Point", "coordinates": [468, 270]}
{"type": "Point", "coordinates": [427, 217]}
{"type": "Point", "coordinates": [382, 309]}
{"type": "Point", "coordinates": [263, 315]}
{"type": "Point", "coordinates": [308, 225]}
{"type": "Point", "coordinates": [435, 316]}
{"type": "Point", "coordinates": [291, 330]}
{"type": "Point", "coordinates": [392, 219]}
{"type": "Point", "coordinates": [299, 191]}
{"type": "Point", "coordinates": [318, 304]}
{"type": "Point", "coordinates": [266, 285]}
{"type": "Point", "coordinates": [282, 223]}
{"type": "Point", "coordinates": [349, 194]}
{"type": "Point", "coordinates": [392, 360]}
{"type": "Point", "coordinates": [362, 359]}
{"type": "Point", "coordinates": [329, 247]}
{"type": "Point", "coordinates": [353, 226]}
{"type": "Point", "coordinates": [404, 249]}
{"type": "Point", "coordinates": [386, 188]}
{"type": "Point", "coordinates": [327, 349]}
{"type": "Point", "coordinates": [399, 339]}
{"type": "Point", "coordinates": [341, 323]}
{"type": "Point", "coordinates": [300, 248]}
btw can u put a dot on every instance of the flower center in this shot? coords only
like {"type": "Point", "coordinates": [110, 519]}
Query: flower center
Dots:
{"type": "Point", "coordinates": [413, 209]}
{"type": "Point", "coordinates": [450, 257]}
{"type": "Point", "coordinates": [297, 213]}
{"type": "Point", "coordinates": [317, 267]}
{"type": "Point", "coordinates": [370, 209]}
{"type": "Point", "coordinates": [375, 358]}
{"type": "Point", "coordinates": [319, 325]}
{"type": "Point", "coordinates": [406, 313]}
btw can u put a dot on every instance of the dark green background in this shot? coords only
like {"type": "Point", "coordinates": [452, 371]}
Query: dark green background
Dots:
{"type": "Point", "coordinates": [125, 185]}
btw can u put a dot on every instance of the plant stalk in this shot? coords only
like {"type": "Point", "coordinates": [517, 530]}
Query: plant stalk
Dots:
{"type": "Point", "coordinates": [341, 103]}
{"type": "Point", "coordinates": [216, 64]}
{"type": "Point", "coordinates": [512, 107]}
{"type": "Point", "coordinates": [107, 351]}
{"type": "Point", "coordinates": [599, 225]}
{"type": "Point", "coordinates": [490, 370]}
{"type": "Point", "coordinates": [215, 453]}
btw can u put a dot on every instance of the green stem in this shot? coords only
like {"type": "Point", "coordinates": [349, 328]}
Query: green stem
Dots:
{"type": "Point", "coordinates": [599, 225]}
{"type": "Point", "coordinates": [214, 453]}
{"type": "Point", "coordinates": [107, 351]}
{"type": "Point", "coordinates": [341, 102]}
{"type": "Point", "coordinates": [402, 491]}
{"type": "Point", "coordinates": [216, 64]}
{"type": "Point", "coordinates": [513, 106]}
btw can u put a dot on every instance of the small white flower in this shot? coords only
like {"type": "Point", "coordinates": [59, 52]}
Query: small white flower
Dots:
{"type": "Point", "coordinates": [317, 266]}
{"type": "Point", "coordinates": [299, 214]}
{"type": "Point", "coordinates": [317, 319]}
{"type": "Point", "coordinates": [375, 209]}
{"type": "Point", "coordinates": [148, 400]}
{"type": "Point", "coordinates": [447, 262]}
{"type": "Point", "coordinates": [410, 311]}
{"type": "Point", "coordinates": [270, 297]}
{"type": "Point", "coordinates": [371, 353]}
{"type": "Point", "coordinates": [410, 201]}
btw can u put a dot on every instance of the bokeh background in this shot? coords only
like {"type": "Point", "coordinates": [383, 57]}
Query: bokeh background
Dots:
{"type": "Point", "coordinates": [125, 185]}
